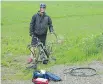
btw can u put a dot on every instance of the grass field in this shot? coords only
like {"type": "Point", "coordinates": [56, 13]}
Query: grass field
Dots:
{"type": "Point", "coordinates": [79, 24]}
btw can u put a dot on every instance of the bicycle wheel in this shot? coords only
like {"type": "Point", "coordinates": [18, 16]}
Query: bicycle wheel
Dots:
{"type": "Point", "coordinates": [84, 72]}
{"type": "Point", "coordinates": [50, 52]}
{"type": "Point", "coordinates": [39, 54]}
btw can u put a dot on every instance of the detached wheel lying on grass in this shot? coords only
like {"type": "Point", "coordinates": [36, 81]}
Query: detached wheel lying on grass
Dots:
{"type": "Point", "coordinates": [83, 72]}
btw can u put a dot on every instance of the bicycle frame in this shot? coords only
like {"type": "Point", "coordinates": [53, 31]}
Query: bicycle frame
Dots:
{"type": "Point", "coordinates": [40, 47]}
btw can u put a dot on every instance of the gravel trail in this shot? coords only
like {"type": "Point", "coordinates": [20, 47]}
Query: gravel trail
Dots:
{"type": "Point", "coordinates": [68, 79]}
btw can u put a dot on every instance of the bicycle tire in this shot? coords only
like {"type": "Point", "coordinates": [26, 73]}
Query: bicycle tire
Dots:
{"type": "Point", "coordinates": [83, 72]}
{"type": "Point", "coordinates": [38, 57]}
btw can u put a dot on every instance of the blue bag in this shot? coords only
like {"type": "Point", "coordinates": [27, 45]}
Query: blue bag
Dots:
{"type": "Point", "coordinates": [37, 74]}
{"type": "Point", "coordinates": [53, 77]}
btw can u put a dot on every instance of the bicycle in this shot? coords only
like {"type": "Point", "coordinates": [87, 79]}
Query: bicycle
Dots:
{"type": "Point", "coordinates": [41, 53]}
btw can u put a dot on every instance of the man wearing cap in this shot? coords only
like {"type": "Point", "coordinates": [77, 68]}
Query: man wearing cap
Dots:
{"type": "Point", "coordinates": [39, 26]}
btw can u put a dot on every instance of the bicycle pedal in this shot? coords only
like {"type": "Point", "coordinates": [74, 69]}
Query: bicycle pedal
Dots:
{"type": "Point", "coordinates": [34, 66]}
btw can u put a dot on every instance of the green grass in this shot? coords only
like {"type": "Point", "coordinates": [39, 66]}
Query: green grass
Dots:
{"type": "Point", "coordinates": [79, 24]}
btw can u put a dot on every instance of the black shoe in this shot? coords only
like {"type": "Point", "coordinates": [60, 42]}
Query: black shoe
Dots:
{"type": "Point", "coordinates": [45, 61]}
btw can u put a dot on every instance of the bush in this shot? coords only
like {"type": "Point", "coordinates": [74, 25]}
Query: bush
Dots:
{"type": "Point", "coordinates": [92, 45]}
{"type": "Point", "coordinates": [99, 42]}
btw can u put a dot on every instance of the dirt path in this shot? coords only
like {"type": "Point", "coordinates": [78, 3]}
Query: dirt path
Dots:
{"type": "Point", "coordinates": [68, 79]}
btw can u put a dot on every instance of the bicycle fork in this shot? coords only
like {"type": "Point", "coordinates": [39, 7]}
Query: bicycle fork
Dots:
{"type": "Point", "coordinates": [45, 51]}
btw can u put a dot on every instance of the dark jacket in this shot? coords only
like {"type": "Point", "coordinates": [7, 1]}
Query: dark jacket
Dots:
{"type": "Point", "coordinates": [39, 24]}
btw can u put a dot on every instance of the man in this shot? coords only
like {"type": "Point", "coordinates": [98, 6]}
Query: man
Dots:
{"type": "Point", "coordinates": [39, 27]}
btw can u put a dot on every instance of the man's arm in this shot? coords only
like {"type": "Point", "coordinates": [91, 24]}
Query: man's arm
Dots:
{"type": "Point", "coordinates": [32, 24]}
{"type": "Point", "coordinates": [50, 25]}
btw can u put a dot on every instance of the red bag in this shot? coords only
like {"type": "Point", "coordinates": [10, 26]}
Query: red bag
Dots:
{"type": "Point", "coordinates": [40, 81]}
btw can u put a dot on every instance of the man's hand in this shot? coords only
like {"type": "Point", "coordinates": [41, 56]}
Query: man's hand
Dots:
{"type": "Point", "coordinates": [32, 35]}
{"type": "Point", "coordinates": [51, 32]}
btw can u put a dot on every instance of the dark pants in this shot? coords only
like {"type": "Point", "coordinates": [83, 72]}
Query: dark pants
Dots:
{"type": "Point", "coordinates": [42, 38]}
